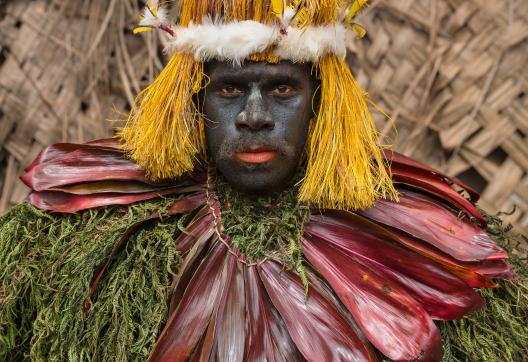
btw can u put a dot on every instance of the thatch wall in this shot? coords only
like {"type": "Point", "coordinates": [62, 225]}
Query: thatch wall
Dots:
{"type": "Point", "coordinates": [453, 74]}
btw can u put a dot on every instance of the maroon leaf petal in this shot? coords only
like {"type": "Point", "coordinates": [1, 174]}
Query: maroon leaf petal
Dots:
{"type": "Point", "coordinates": [84, 164]}
{"type": "Point", "coordinates": [475, 274]}
{"type": "Point", "coordinates": [67, 203]}
{"type": "Point", "coordinates": [438, 187]}
{"type": "Point", "coordinates": [432, 222]}
{"type": "Point", "coordinates": [322, 287]}
{"type": "Point", "coordinates": [188, 203]}
{"type": "Point", "coordinates": [194, 244]}
{"type": "Point", "coordinates": [122, 187]}
{"type": "Point", "coordinates": [230, 322]}
{"type": "Point", "coordinates": [188, 323]}
{"type": "Point", "coordinates": [267, 338]}
{"type": "Point", "coordinates": [397, 159]}
{"type": "Point", "coordinates": [392, 320]}
{"type": "Point", "coordinates": [57, 150]}
{"type": "Point", "coordinates": [442, 294]}
{"type": "Point", "coordinates": [318, 330]}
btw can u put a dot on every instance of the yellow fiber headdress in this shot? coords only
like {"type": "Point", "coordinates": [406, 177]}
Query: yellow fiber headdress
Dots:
{"type": "Point", "coordinates": [165, 131]}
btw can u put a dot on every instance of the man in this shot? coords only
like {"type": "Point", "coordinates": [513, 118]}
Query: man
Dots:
{"type": "Point", "coordinates": [263, 223]}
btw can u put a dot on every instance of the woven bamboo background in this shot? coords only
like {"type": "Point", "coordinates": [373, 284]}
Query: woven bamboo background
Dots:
{"type": "Point", "coordinates": [453, 74]}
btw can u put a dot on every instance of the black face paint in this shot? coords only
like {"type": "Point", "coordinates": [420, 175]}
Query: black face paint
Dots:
{"type": "Point", "coordinates": [257, 120]}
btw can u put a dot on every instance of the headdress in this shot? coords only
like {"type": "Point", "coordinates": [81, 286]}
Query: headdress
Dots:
{"type": "Point", "coordinates": [165, 130]}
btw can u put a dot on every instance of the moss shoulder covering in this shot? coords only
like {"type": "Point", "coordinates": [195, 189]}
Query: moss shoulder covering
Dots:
{"type": "Point", "coordinates": [46, 266]}
{"type": "Point", "coordinates": [499, 332]}
{"type": "Point", "coordinates": [47, 263]}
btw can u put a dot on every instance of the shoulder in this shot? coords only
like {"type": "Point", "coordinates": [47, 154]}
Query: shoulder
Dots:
{"type": "Point", "coordinates": [69, 178]}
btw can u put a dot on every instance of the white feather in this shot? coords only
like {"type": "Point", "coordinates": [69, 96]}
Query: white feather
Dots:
{"type": "Point", "coordinates": [312, 43]}
{"type": "Point", "coordinates": [288, 16]}
{"type": "Point", "coordinates": [224, 41]}
{"type": "Point", "coordinates": [236, 41]}
{"type": "Point", "coordinates": [148, 19]}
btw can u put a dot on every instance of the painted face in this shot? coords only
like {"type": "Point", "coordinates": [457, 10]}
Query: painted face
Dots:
{"type": "Point", "coordinates": [257, 120]}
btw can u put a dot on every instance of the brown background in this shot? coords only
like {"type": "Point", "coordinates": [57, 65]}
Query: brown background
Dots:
{"type": "Point", "coordinates": [453, 75]}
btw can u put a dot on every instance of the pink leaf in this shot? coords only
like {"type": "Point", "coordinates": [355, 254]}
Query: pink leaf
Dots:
{"type": "Point", "coordinates": [318, 330]}
{"type": "Point", "coordinates": [390, 318]}
{"type": "Point", "coordinates": [436, 224]}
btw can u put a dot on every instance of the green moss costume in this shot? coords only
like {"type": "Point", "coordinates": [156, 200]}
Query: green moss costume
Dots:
{"type": "Point", "coordinates": [47, 263]}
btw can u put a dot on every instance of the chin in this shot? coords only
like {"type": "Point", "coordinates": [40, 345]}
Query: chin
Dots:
{"type": "Point", "coordinates": [257, 179]}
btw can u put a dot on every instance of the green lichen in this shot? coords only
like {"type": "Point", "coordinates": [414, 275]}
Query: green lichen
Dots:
{"type": "Point", "coordinates": [46, 266]}
{"type": "Point", "coordinates": [499, 332]}
{"type": "Point", "coordinates": [48, 262]}
{"type": "Point", "coordinates": [265, 226]}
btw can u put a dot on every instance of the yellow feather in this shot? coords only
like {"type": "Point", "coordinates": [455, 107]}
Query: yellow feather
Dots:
{"type": "Point", "coordinates": [153, 9]}
{"type": "Point", "coordinates": [142, 29]}
{"type": "Point", "coordinates": [302, 18]}
{"type": "Point", "coordinates": [354, 8]}
{"type": "Point", "coordinates": [277, 7]}
{"type": "Point", "coordinates": [360, 31]}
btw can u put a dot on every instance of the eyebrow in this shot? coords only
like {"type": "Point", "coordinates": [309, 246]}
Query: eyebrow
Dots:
{"type": "Point", "coordinates": [238, 78]}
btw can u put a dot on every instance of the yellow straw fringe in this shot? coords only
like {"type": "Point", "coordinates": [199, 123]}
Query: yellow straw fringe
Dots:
{"type": "Point", "coordinates": [163, 133]}
{"type": "Point", "coordinates": [345, 169]}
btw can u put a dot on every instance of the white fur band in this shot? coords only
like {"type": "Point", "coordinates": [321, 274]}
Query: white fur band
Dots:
{"type": "Point", "coordinates": [236, 41]}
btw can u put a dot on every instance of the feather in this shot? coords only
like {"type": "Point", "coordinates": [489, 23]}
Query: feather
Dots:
{"type": "Point", "coordinates": [278, 7]}
{"type": "Point", "coordinates": [142, 29]}
{"type": "Point", "coordinates": [295, 13]}
{"type": "Point", "coordinates": [312, 43]}
{"type": "Point", "coordinates": [354, 8]}
{"type": "Point", "coordinates": [153, 17]}
{"type": "Point", "coordinates": [236, 41]}
{"type": "Point", "coordinates": [358, 29]}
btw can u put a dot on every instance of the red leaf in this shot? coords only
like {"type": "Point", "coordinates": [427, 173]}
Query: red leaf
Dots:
{"type": "Point", "coordinates": [67, 203]}
{"type": "Point", "coordinates": [267, 338]}
{"type": "Point", "coordinates": [194, 245]}
{"type": "Point", "coordinates": [393, 321]}
{"type": "Point", "coordinates": [436, 224]}
{"type": "Point", "coordinates": [188, 203]}
{"type": "Point", "coordinates": [318, 330]}
{"type": "Point", "coordinates": [322, 287]}
{"type": "Point", "coordinates": [188, 323]}
{"type": "Point", "coordinates": [438, 187]}
{"type": "Point", "coordinates": [57, 150]}
{"type": "Point", "coordinates": [203, 228]}
{"type": "Point", "coordinates": [230, 322]}
{"type": "Point", "coordinates": [85, 164]}
{"type": "Point", "coordinates": [121, 187]}
{"type": "Point", "coordinates": [442, 294]}
{"type": "Point", "coordinates": [397, 159]}
{"type": "Point", "coordinates": [475, 274]}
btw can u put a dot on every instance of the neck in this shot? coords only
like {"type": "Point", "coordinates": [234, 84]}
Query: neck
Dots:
{"type": "Point", "coordinates": [264, 226]}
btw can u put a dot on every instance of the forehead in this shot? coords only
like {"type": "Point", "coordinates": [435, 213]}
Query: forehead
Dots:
{"type": "Point", "coordinates": [255, 71]}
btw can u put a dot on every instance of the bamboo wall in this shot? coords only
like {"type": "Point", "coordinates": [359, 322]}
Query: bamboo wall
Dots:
{"type": "Point", "coordinates": [453, 75]}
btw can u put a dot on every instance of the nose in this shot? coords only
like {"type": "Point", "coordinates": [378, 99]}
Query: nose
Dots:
{"type": "Point", "coordinates": [255, 116]}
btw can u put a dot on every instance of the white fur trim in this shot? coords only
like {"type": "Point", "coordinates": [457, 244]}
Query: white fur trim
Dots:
{"type": "Point", "coordinates": [312, 43]}
{"type": "Point", "coordinates": [228, 41]}
{"type": "Point", "coordinates": [236, 41]}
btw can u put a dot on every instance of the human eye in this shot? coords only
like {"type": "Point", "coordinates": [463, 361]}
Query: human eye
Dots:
{"type": "Point", "coordinates": [283, 91]}
{"type": "Point", "coordinates": [229, 91]}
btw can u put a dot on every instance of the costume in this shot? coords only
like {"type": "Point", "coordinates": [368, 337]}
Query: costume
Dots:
{"type": "Point", "coordinates": [166, 260]}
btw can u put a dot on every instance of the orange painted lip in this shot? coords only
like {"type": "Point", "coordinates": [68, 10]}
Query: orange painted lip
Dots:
{"type": "Point", "coordinates": [258, 155]}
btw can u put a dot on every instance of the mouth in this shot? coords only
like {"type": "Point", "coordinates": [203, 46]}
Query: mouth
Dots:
{"type": "Point", "coordinates": [256, 155]}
